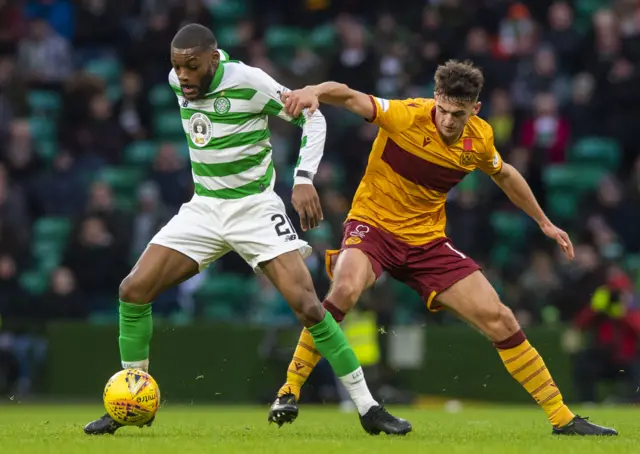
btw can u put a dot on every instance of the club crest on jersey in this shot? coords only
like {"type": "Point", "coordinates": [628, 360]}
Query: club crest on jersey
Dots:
{"type": "Point", "coordinates": [466, 158]}
{"type": "Point", "coordinates": [200, 129]}
{"type": "Point", "coordinates": [221, 105]}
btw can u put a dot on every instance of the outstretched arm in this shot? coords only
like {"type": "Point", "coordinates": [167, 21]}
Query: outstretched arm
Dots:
{"type": "Point", "coordinates": [517, 189]}
{"type": "Point", "coordinates": [333, 93]}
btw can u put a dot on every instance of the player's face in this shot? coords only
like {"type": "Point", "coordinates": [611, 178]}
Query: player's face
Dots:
{"type": "Point", "coordinates": [195, 68]}
{"type": "Point", "coordinates": [452, 116]}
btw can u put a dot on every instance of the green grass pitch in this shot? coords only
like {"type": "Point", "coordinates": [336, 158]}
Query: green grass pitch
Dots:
{"type": "Point", "coordinates": [42, 429]}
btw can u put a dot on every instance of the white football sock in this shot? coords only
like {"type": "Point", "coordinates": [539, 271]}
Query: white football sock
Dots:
{"type": "Point", "coordinates": [357, 387]}
{"type": "Point", "coordinates": [144, 365]}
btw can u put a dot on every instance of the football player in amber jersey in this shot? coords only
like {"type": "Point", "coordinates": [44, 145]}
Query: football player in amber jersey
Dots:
{"type": "Point", "coordinates": [397, 224]}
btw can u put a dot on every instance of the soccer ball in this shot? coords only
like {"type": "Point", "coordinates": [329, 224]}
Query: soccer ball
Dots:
{"type": "Point", "coordinates": [131, 397]}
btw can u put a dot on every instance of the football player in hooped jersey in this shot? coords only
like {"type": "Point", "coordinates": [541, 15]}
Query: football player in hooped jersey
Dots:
{"type": "Point", "coordinates": [397, 224]}
{"type": "Point", "coordinates": [224, 106]}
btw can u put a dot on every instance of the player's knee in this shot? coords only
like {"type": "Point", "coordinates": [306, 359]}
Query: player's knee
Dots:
{"type": "Point", "coordinates": [344, 294]}
{"type": "Point", "coordinates": [135, 290]}
{"type": "Point", "coordinates": [307, 306]}
{"type": "Point", "coordinates": [501, 323]}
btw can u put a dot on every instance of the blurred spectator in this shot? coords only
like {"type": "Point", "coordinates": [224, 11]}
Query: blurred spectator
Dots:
{"type": "Point", "coordinates": [101, 136]}
{"type": "Point", "coordinates": [150, 217]}
{"type": "Point", "coordinates": [563, 36]}
{"type": "Point", "coordinates": [99, 26]}
{"type": "Point", "coordinates": [150, 55]}
{"type": "Point", "coordinates": [58, 13]}
{"type": "Point", "coordinates": [44, 56]}
{"type": "Point", "coordinates": [355, 64]}
{"type": "Point", "coordinates": [133, 110]}
{"type": "Point", "coordinates": [547, 131]}
{"type": "Point", "coordinates": [613, 323]}
{"type": "Point", "coordinates": [13, 298]}
{"type": "Point", "coordinates": [540, 283]}
{"type": "Point", "coordinates": [583, 109]}
{"type": "Point", "coordinates": [13, 206]}
{"type": "Point", "coordinates": [172, 177]}
{"type": "Point", "coordinates": [11, 25]}
{"type": "Point", "coordinates": [189, 11]}
{"type": "Point", "coordinates": [20, 159]}
{"type": "Point", "coordinates": [101, 204]}
{"type": "Point", "coordinates": [97, 263]}
{"type": "Point", "coordinates": [61, 190]}
{"type": "Point", "coordinates": [501, 118]}
{"type": "Point", "coordinates": [63, 300]}
{"type": "Point", "coordinates": [540, 75]}
{"type": "Point", "coordinates": [13, 94]}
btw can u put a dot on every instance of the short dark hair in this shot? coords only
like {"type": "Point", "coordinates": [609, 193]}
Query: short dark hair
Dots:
{"type": "Point", "coordinates": [459, 81]}
{"type": "Point", "coordinates": [194, 36]}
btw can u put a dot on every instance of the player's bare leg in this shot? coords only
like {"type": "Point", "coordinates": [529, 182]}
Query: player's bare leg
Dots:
{"type": "Point", "coordinates": [475, 300]}
{"type": "Point", "coordinates": [291, 277]}
{"type": "Point", "coordinates": [158, 269]}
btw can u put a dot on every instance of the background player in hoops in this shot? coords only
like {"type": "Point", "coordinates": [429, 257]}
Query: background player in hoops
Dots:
{"type": "Point", "coordinates": [224, 106]}
{"type": "Point", "coordinates": [397, 222]}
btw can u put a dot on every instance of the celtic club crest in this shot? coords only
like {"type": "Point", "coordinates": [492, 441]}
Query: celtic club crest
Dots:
{"type": "Point", "coordinates": [200, 129]}
{"type": "Point", "coordinates": [221, 105]}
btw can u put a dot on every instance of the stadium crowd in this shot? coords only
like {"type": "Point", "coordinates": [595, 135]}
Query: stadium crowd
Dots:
{"type": "Point", "coordinates": [93, 159]}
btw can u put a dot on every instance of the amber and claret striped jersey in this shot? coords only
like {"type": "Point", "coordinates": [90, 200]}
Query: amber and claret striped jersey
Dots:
{"type": "Point", "coordinates": [411, 170]}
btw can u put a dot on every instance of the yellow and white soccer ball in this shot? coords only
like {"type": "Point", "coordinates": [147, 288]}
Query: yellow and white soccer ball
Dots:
{"type": "Point", "coordinates": [132, 397]}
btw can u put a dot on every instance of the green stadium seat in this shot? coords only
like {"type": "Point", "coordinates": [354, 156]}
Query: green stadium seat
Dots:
{"type": "Point", "coordinates": [563, 204]}
{"type": "Point", "coordinates": [42, 128]}
{"type": "Point", "coordinates": [229, 36]}
{"type": "Point", "coordinates": [44, 101]}
{"type": "Point", "coordinates": [168, 124]}
{"type": "Point", "coordinates": [283, 37]}
{"type": "Point", "coordinates": [162, 95]}
{"type": "Point", "coordinates": [47, 149]}
{"type": "Point", "coordinates": [510, 226]}
{"type": "Point", "coordinates": [51, 228]}
{"type": "Point", "coordinates": [114, 93]}
{"type": "Point", "coordinates": [122, 179]}
{"type": "Point", "coordinates": [322, 37]}
{"type": "Point", "coordinates": [35, 282]}
{"type": "Point", "coordinates": [600, 151]}
{"type": "Point", "coordinates": [227, 11]}
{"type": "Point", "coordinates": [573, 177]}
{"type": "Point", "coordinates": [107, 68]}
{"type": "Point", "coordinates": [142, 152]}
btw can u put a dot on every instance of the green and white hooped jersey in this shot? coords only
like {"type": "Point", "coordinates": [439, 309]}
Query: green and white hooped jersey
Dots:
{"type": "Point", "coordinates": [228, 132]}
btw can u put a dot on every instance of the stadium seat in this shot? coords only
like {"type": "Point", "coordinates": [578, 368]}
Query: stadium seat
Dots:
{"type": "Point", "coordinates": [142, 152]}
{"type": "Point", "coordinates": [573, 177]}
{"type": "Point", "coordinates": [227, 11]}
{"type": "Point", "coordinates": [168, 124]}
{"type": "Point", "coordinates": [283, 37]}
{"type": "Point", "coordinates": [122, 179]}
{"type": "Point", "coordinates": [35, 282]}
{"type": "Point", "coordinates": [51, 228]}
{"type": "Point", "coordinates": [600, 151]}
{"type": "Point", "coordinates": [229, 36]}
{"type": "Point", "coordinates": [107, 68]}
{"type": "Point", "coordinates": [563, 204]}
{"type": "Point", "coordinates": [510, 226]}
{"type": "Point", "coordinates": [162, 96]}
{"type": "Point", "coordinates": [44, 101]}
{"type": "Point", "coordinates": [42, 128]}
{"type": "Point", "coordinates": [322, 37]}
{"type": "Point", "coordinates": [47, 149]}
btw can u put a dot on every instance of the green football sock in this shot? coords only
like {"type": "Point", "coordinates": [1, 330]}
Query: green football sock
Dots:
{"type": "Point", "coordinates": [136, 328]}
{"type": "Point", "coordinates": [332, 344]}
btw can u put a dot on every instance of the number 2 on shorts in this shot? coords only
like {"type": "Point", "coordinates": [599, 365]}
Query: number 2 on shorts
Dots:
{"type": "Point", "coordinates": [283, 220]}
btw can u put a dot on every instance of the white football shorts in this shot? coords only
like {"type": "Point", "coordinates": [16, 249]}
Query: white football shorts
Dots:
{"type": "Point", "coordinates": [256, 227]}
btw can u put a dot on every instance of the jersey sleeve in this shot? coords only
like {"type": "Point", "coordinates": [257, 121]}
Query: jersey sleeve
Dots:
{"type": "Point", "coordinates": [488, 159]}
{"type": "Point", "coordinates": [314, 127]}
{"type": "Point", "coordinates": [174, 83]}
{"type": "Point", "coordinates": [395, 115]}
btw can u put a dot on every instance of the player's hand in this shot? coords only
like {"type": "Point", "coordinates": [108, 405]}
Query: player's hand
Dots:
{"type": "Point", "coordinates": [306, 202]}
{"type": "Point", "coordinates": [560, 236]}
{"type": "Point", "coordinates": [297, 100]}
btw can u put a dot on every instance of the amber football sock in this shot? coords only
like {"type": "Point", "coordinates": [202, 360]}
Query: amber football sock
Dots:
{"type": "Point", "coordinates": [306, 357]}
{"type": "Point", "coordinates": [526, 366]}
